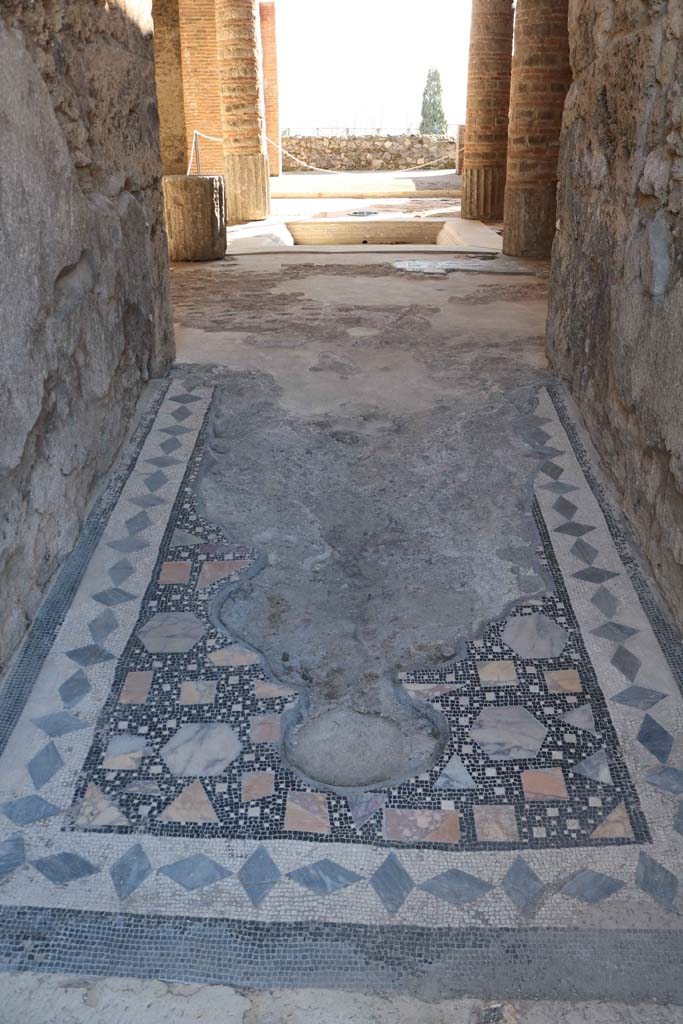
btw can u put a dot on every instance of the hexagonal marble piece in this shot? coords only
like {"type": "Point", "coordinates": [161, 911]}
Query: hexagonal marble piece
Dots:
{"type": "Point", "coordinates": [535, 636]}
{"type": "Point", "coordinates": [201, 749]}
{"type": "Point", "coordinates": [508, 733]}
{"type": "Point", "coordinates": [171, 632]}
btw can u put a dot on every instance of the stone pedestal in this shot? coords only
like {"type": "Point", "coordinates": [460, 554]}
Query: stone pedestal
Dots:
{"type": "Point", "coordinates": [270, 86]}
{"type": "Point", "coordinates": [488, 99]}
{"type": "Point", "coordinates": [247, 187]}
{"type": "Point", "coordinates": [541, 76]}
{"type": "Point", "coordinates": [195, 217]}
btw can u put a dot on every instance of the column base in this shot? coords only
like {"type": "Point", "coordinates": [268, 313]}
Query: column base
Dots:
{"type": "Point", "coordinates": [194, 207]}
{"type": "Point", "coordinates": [483, 193]}
{"type": "Point", "coordinates": [530, 216]}
{"type": "Point", "coordinates": [247, 187]}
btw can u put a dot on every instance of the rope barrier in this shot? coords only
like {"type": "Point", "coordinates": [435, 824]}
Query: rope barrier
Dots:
{"type": "Point", "coordinates": [321, 170]}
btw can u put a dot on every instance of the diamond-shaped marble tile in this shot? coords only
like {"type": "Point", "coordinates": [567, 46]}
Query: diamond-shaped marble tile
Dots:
{"type": "Point", "coordinates": [62, 868]}
{"type": "Point", "coordinates": [120, 571]}
{"type": "Point", "coordinates": [59, 723]}
{"type": "Point", "coordinates": [591, 886]}
{"type": "Point", "coordinates": [102, 625]}
{"type": "Point", "coordinates": [171, 444]}
{"type": "Point", "coordinates": [138, 523]}
{"type": "Point", "coordinates": [522, 886]}
{"type": "Point", "coordinates": [565, 508]}
{"type": "Point", "coordinates": [44, 765]}
{"type": "Point", "coordinates": [91, 654]}
{"type": "Point", "coordinates": [12, 855]}
{"type": "Point", "coordinates": [73, 690]}
{"type": "Point", "coordinates": [175, 431]}
{"type": "Point", "coordinates": [392, 883]}
{"type": "Point", "coordinates": [614, 631]}
{"type": "Point", "coordinates": [584, 551]}
{"type": "Point", "coordinates": [605, 601]}
{"type": "Point", "coordinates": [550, 469]}
{"type": "Point", "coordinates": [130, 871]}
{"type": "Point", "coordinates": [181, 414]}
{"type": "Point", "coordinates": [27, 809]}
{"type": "Point", "coordinates": [128, 545]}
{"type": "Point", "coordinates": [258, 875]}
{"type": "Point", "coordinates": [456, 887]}
{"type": "Point", "coordinates": [185, 399]}
{"type": "Point", "coordinates": [593, 574]}
{"type": "Point", "coordinates": [657, 881]}
{"type": "Point", "coordinates": [668, 779]}
{"type": "Point", "coordinates": [640, 697]}
{"type": "Point", "coordinates": [574, 529]}
{"type": "Point", "coordinates": [324, 877]}
{"type": "Point", "coordinates": [195, 872]}
{"type": "Point", "coordinates": [626, 662]}
{"type": "Point", "coordinates": [655, 738]}
{"type": "Point", "coordinates": [113, 596]}
{"type": "Point", "coordinates": [156, 480]}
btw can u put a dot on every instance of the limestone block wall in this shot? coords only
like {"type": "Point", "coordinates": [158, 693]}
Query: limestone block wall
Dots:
{"type": "Point", "coordinates": [615, 329]}
{"type": "Point", "coordinates": [369, 152]}
{"type": "Point", "coordinates": [84, 299]}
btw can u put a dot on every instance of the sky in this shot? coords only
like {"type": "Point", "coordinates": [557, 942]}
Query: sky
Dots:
{"type": "Point", "coordinates": [363, 63]}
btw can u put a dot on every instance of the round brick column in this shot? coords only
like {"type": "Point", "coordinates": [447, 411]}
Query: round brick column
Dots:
{"type": "Point", "coordinates": [488, 100]}
{"type": "Point", "coordinates": [541, 76]}
{"type": "Point", "coordinates": [247, 187]}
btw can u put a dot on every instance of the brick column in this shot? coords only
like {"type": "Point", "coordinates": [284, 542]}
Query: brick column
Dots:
{"type": "Point", "coordinates": [199, 58]}
{"type": "Point", "coordinates": [169, 80]}
{"type": "Point", "coordinates": [541, 76]}
{"type": "Point", "coordinates": [488, 100]}
{"type": "Point", "coordinates": [247, 188]}
{"type": "Point", "coordinates": [270, 84]}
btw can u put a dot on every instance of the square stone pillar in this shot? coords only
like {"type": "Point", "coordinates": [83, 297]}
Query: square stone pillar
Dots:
{"type": "Point", "coordinates": [247, 186]}
{"type": "Point", "coordinates": [270, 85]}
{"type": "Point", "coordinates": [488, 100]}
{"type": "Point", "coordinates": [541, 76]}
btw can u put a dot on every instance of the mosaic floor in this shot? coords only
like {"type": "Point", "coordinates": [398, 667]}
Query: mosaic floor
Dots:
{"type": "Point", "coordinates": [149, 826]}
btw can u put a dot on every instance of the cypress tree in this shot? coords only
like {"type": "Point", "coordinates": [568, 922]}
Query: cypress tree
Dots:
{"type": "Point", "coordinates": [433, 118]}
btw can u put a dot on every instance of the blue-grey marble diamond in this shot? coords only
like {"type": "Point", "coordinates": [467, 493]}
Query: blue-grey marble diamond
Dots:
{"type": "Point", "coordinates": [614, 631]}
{"type": "Point", "coordinates": [584, 551]}
{"type": "Point", "coordinates": [551, 470]}
{"type": "Point", "coordinates": [156, 480]}
{"type": "Point", "coordinates": [522, 885]}
{"type": "Point", "coordinates": [185, 399]}
{"type": "Point", "coordinates": [174, 431]}
{"type": "Point", "coordinates": [595, 575]}
{"type": "Point", "coordinates": [534, 636]}
{"type": "Point", "coordinates": [130, 871]}
{"type": "Point", "coordinates": [392, 883]}
{"type": "Point", "coordinates": [181, 414]}
{"type": "Point", "coordinates": [678, 819]}
{"type": "Point", "coordinates": [44, 765]}
{"type": "Point", "coordinates": [455, 776]}
{"type": "Point", "coordinates": [91, 654]}
{"type": "Point", "coordinates": [566, 508]}
{"type": "Point", "coordinates": [655, 738]}
{"type": "Point", "coordinates": [146, 501]}
{"type": "Point", "coordinates": [74, 689]}
{"type": "Point", "coordinates": [27, 809]}
{"type": "Point", "coordinates": [626, 662]}
{"type": "Point", "coordinates": [258, 875]}
{"type": "Point", "coordinates": [12, 855]}
{"type": "Point", "coordinates": [605, 601]}
{"type": "Point", "coordinates": [591, 886]}
{"type": "Point", "coordinates": [120, 571]}
{"type": "Point", "coordinates": [62, 868]}
{"type": "Point", "coordinates": [138, 523]}
{"type": "Point", "coordinates": [164, 461]}
{"type": "Point", "coordinates": [103, 625]}
{"type": "Point", "coordinates": [574, 529]}
{"type": "Point", "coordinates": [558, 487]}
{"type": "Point", "coordinates": [668, 779]}
{"type": "Point", "coordinates": [639, 697]}
{"type": "Point", "coordinates": [595, 767]}
{"type": "Point", "coordinates": [128, 545]}
{"type": "Point", "coordinates": [325, 877]}
{"type": "Point", "coordinates": [656, 880]}
{"type": "Point", "coordinates": [59, 723]}
{"type": "Point", "coordinates": [113, 596]}
{"type": "Point", "coordinates": [195, 872]}
{"type": "Point", "coordinates": [456, 887]}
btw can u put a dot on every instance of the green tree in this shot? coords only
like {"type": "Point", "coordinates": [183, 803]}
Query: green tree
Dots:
{"type": "Point", "coordinates": [433, 118]}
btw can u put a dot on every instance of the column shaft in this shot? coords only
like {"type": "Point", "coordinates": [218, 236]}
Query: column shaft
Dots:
{"type": "Point", "coordinates": [200, 81]}
{"type": "Point", "coordinates": [488, 100]}
{"type": "Point", "coordinates": [247, 186]}
{"type": "Point", "coordinates": [270, 85]}
{"type": "Point", "coordinates": [541, 76]}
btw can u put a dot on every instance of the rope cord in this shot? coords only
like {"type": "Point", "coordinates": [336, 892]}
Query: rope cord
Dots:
{"type": "Point", "coordinates": [311, 167]}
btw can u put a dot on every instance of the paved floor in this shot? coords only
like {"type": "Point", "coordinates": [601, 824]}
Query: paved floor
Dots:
{"type": "Point", "coordinates": [354, 680]}
{"type": "Point", "coordinates": [364, 183]}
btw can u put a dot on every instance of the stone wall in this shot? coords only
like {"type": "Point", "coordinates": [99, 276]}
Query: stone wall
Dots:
{"type": "Point", "coordinates": [368, 152]}
{"type": "Point", "coordinates": [615, 328]}
{"type": "Point", "coordinates": [169, 81]}
{"type": "Point", "coordinates": [84, 301]}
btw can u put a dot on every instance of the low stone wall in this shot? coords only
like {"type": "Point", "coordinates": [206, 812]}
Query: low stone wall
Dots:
{"type": "Point", "coordinates": [369, 152]}
{"type": "Point", "coordinates": [84, 284]}
{"type": "Point", "coordinates": [616, 297]}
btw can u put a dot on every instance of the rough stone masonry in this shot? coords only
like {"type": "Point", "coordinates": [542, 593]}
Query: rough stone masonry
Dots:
{"type": "Point", "coordinates": [84, 306]}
